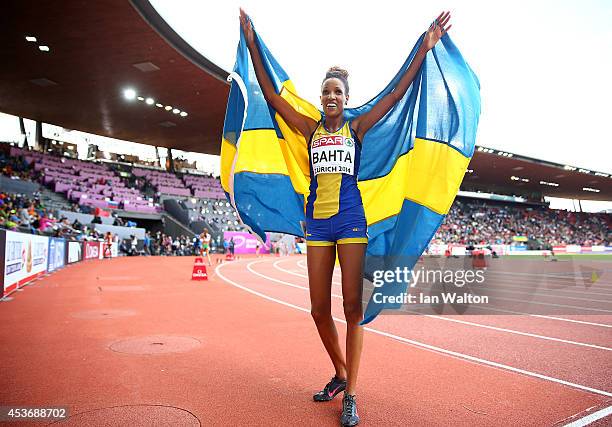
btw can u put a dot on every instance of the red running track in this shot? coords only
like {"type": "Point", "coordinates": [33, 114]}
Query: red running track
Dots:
{"type": "Point", "coordinates": [241, 349]}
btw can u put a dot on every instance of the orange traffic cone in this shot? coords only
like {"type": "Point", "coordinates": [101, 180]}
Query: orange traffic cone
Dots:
{"type": "Point", "coordinates": [199, 270]}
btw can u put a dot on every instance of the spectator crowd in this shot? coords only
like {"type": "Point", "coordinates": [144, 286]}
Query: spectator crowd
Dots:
{"type": "Point", "coordinates": [477, 222]}
{"type": "Point", "coordinates": [163, 244]}
{"type": "Point", "coordinates": [469, 221]}
{"type": "Point", "coordinates": [29, 215]}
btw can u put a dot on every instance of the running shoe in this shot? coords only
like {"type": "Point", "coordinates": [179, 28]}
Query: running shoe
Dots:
{"type": "Point", "coordinates": [349, 416]}
{"type": "Point", "coordinates": [335, 386]}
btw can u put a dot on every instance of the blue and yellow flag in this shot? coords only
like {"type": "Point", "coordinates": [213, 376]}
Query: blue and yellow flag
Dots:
{"type": "Point", "coordinates": [412, 163]}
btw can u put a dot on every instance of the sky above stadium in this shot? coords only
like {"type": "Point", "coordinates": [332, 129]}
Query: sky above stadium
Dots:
{"type": "Point", "coordinates": [544, 66]}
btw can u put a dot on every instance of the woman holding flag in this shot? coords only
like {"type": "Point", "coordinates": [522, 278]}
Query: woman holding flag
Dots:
{"type": "Point", "coordinates": [335, 218]}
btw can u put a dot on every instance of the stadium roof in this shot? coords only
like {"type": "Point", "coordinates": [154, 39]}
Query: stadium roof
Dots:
{"type": "Point", "coordinates": [97, 49]}
{"type": "Point", "coordinates": [506, 173]}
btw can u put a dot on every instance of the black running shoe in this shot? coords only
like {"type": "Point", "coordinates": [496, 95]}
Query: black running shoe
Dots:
{"type": "Point", "coordinates": [349, 416]}
{"type": "Point", "coordinates": [335, 386]}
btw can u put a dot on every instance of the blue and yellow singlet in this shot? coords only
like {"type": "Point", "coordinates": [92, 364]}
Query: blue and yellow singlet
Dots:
{"type": "Point", "coordinates": [334, 196]}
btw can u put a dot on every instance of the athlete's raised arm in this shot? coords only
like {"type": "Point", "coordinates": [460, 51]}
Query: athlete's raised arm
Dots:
{"type": "Point", "coordinates": [305, 125]}
{"type": "Point", "coordinates": [436, 30]}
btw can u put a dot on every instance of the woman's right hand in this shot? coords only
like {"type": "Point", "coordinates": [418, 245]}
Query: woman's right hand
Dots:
{"type": "Point", "coordinates": [247, 27]}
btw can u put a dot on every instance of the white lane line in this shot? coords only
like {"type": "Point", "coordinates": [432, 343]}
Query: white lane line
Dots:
{"type": "Point", "coordinates": [553, 292]}
{"type": "Point", "coordinates": [560, 274]}
{"type": "Point", "coordinates": [573, 276]}
{"type": "Point", "coordinates": [603, 325]}
{"type": "Point", "coordinates": [302, 265]}
{"type": "Point", "coordinates": [480, 325]}
{"type": "Point", "coordinates": [512, 331]}
{"type": "Point", "coordinates": [588, 419]}
{"type": "Point", "coordinates": [501, 289]}
{"type": "Point", "coordinates": [298, 274]}
{"type": "Point", "coordinates": [552, 281]}
{"type": "Point", "coordinates": [426, 346]}
{"type": "Point", "coordinates": [599, 310]}
{"type": "Point", "coordinates": [561, 319]}
{"type": "Point", "coordinates": [521, 282]}
{"type": "Point", "coordinates": [536, 302]}
{"type": "Point", "coordinates": [249, 267]}
{"type": "Point", "coordinates": [486, 308]}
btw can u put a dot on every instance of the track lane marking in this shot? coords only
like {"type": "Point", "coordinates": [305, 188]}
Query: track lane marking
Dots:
{"type": "Point", "coordinates": [563, 276]}
{"type": "Point", "coordinates": [588, 419]}
{"type": "Point", "coordinates": [427, 346]}
{"type": "Point", "coordinates": [482, 308]}
{"type": "Point", "coordinates": [249, 267]}
{"type": "Point", "coordinates": [520, 282]}
{"type": "Point", "coordinates": [480, 325]}
{"type": "Point", "coordinates": [501, 289]}
{"type": "Point", "coordinates": [298, 274]}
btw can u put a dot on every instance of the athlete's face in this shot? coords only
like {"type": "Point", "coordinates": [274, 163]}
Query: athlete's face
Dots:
{"type": "Point", "coordinates": [333, 97]}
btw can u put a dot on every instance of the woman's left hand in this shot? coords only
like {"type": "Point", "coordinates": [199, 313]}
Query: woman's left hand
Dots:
{"type": "Point", "coordinates": [436, 30]}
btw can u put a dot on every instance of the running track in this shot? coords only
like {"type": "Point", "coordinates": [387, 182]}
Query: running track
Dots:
{"type": "Point", "coordinates": [257, 358]}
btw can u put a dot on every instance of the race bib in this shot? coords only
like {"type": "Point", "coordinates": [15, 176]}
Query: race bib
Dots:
{"type": "Point", "coordinates": [333, 154]}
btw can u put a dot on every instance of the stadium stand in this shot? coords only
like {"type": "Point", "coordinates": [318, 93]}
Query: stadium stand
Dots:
{"type": "Point", "coordinates": [86, 183]}
{"type": "Point", "coordinates": [204, 186]}
{"type": "Point", "coordinates": [216, 215]}
{"type": "Point", "coordinates": [164, 182]}
{"type": "Point", "coordinates": [73, 190]}
{"type": "Point", "coordinates": [27, 206]}
{"type": "Point", "coordinates": [83, 192]}
{"type": "Point", "coordinates": [478, 222]}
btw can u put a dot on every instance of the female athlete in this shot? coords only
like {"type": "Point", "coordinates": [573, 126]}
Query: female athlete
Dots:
{"type": "Point", "coordinates": [205, 237]}
{"type": "Point", "coordinates": [335, 219]}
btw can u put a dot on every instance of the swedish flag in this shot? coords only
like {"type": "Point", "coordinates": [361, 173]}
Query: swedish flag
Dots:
{"type": "Point", "coordinates": [412, 163]}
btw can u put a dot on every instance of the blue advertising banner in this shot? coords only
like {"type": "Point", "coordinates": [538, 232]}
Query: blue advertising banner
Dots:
{"type": "Point", "coordinates": [57, 254]}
